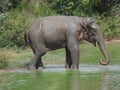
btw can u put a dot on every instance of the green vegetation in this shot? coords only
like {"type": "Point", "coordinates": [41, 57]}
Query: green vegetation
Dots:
{"type": "Point", "coordinates": [16, 15]}
{"type": "Point", "coordinates": [18, 58]}
{"type": "Point", "coordinates": [14, 22]}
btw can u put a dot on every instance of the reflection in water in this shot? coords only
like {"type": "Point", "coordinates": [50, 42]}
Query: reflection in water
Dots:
{"type": "Point", "coordinates": [111, 81]}
{"type": "Point", "coordinates": [75, 80]}
{"type": "Point", "coordinates": [104, 83]}
{"type": "Point", "coordinates": [72, 80]}
{"type": "Point", "coordinates": [67, 80]}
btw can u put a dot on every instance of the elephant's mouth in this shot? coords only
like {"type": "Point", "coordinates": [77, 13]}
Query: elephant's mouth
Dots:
{"type": "Point", "coordinates": [90, 39]}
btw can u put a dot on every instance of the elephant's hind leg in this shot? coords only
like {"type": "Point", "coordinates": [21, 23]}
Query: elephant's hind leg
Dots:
{"type": "Point", "coordinates": [39, 50]}
{"type": "Point", "coordinates": [32, 63]}
{"type": "Point", "coordinates": [39, 62]}
{"type": "Point", "coordinates": [36, 62]}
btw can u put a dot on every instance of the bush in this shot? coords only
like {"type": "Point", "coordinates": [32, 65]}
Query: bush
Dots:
{"type": "Point", "coordinates": [68, 7]}
{"type": "Point", "coordinates": [3, 62]}
{"type": "Point", "coordinates": [107, 26]}
{"type": "Point", "coordinates": [5, 5]}
{"type": "Point", "coordinates": [12, 30]}
{"type": "Point", "coordinates": [15, 22]}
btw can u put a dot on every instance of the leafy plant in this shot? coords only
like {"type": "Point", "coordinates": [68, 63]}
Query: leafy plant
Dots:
{"type": "Point", "coordinates": [3, 61]}
{"type": "Point", "coordinates": [15, 22]}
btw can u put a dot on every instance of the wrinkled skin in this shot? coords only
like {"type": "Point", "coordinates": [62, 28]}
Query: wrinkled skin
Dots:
{"type": "Point", "coordinates": [54, 32]}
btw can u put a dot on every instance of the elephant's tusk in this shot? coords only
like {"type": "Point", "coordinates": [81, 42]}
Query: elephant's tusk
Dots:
{"type": "Point", "coordinates": [104, 62]}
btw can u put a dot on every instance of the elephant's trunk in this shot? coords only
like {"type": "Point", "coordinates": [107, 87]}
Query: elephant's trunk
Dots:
{"type": "Point", "coordinates": [103, 50]}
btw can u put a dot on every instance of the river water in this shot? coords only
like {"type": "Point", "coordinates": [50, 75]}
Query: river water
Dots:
{"type": "Point", "coordinates": [56, 77]}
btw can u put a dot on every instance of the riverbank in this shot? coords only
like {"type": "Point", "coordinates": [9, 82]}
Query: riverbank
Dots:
{"type": "Point", "coordinates": [84, 68]}
{"type": "Point", "coordinates": [19, 58]}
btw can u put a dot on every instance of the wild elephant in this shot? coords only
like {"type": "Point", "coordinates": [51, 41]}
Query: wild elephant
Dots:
{"type": "Point", "coordinates": [54, 32]}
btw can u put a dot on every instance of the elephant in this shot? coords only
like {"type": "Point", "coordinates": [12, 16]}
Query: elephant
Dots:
{"type": "Point", "coordinates": [55, 32]}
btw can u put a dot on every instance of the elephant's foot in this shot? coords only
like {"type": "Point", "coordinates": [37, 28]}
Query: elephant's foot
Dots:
{"type": "Point", "coordinates": [40, 68]}
{"type": "Point", "coordinates": [75, 67]}
{"type": "Point", "coordinates": [31, 67]}
{"type": "Point", "coordinates": [39, 64]}
{"type": "Point", "coordinates": [67, 66]}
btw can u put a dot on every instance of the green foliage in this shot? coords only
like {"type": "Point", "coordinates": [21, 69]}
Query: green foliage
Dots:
{"type": "Point", "coordinates": [16, 15]}
{"type": "Point", "coordinates": [3, 61]}
{"type": "Point", "coordinates": [107, 26]}
{"type": "Point", "coordinates": [5, 5]}
{"type": "Point", "coordinates": [70, 7]}
{"type": "Point", "coordinates": [108, 15]}
{"type": "Point", "coordinates": [14, 23]}
{"type": "Point", "coordinates": [12, 30]}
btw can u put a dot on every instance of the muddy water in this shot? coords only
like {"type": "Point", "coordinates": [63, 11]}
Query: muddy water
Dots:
{"type": "Point", "coordinates": [55, 77]}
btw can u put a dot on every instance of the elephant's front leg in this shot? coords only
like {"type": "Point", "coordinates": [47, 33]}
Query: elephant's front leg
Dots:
{"type": "Point", "coordinates": [74, 52]}
{"type": "Point", "coordinates": [68, 59]}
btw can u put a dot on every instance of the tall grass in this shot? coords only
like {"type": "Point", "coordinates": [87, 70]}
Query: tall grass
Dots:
{"type": "Point", "coordinates": [19, 58]}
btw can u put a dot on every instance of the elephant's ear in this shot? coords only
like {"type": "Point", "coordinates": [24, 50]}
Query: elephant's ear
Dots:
{"type": "Point", "coordinates": [90, 20]}
{"type": "Point", "coordinates": [87, 23]}
{"type": "Point", "coordinates": [91, 29]}
{"type": "Point", "coordinates": [91, 24]}
{"type": "Point", "coordinates": [83, 24]}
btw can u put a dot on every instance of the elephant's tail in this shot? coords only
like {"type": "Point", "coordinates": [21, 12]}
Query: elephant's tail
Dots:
{"type": "Point", "coordinates": [26, 38]}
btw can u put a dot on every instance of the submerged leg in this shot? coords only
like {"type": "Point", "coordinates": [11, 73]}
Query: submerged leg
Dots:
{"type": "Point", "coordinates": [39, 62]}
{"type": "Point", "coordinates": [74, 52]}
{"type": "Point", "coordinates": [32, 63]}
{"type": "Point", "coordinates": [68, 59]}
{"type": "Point", "coordinates": [36, 61]}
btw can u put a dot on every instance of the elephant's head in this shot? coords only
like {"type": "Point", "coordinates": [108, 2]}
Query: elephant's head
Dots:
{"type": "Point", "coordinates": [92, 34]}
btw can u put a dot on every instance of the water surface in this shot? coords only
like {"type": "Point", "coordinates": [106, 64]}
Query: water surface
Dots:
{"type": "Point", "coordinates": [55, 77]}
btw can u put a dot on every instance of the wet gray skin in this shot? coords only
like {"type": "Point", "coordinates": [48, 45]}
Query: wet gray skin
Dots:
{"type": "Point", "coordinates": [55, 32]}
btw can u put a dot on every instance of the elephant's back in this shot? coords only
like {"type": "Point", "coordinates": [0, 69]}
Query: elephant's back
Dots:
{"type": "Point", "coordinates": [61, 18]}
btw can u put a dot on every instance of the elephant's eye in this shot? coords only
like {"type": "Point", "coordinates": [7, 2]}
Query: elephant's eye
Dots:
{"type": "Point", "coordinates": [90, 34]}
{"type": "Point", "coordinates": [94, 32]}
